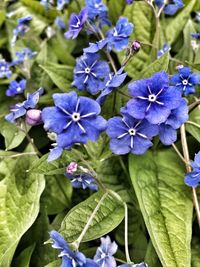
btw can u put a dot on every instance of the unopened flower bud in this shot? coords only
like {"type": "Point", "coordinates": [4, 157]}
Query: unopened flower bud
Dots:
{"type": "Point", "coordinates": [33, 117]}
{"type": "Point", "coordinates": [71, 168]}
{"type": "Point", "coordinates": [135, 46]}
{"type": "Point", "coordinates": [178, 67]}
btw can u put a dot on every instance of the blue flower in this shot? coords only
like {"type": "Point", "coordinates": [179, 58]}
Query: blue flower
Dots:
{"type": "Point", "coordinates": [193, 178]}
{"type": "Point", "coordinates": [69, 258]}
{"type": "Point", "coordinates": [196, 35]}
{"type": "Point", "coordinates": [74, 119]}
{"type": "Point", "coordinates": [20, 109]}
{"type": "Point", "coordinates": [185, 80]}
{"type": "Point", "coordinates": [95, 8]}
{"type": "Point", "coordinates": [129, 2]}
{"type": "Point", "coordinates": [76, 23]}
{"type": "Point", "coordinates": [104, 254]}
{"type": "Point", "coordinates": [82, 180]}
{"type": "Point", "coordinates": [60, 23]}
{"type": "Point", "coordinates": [177, 117]}
{"type": "Point", "coordinates": [89, 72]}
{"type": "Point", "coordinates": [22, 55]}
{"type": "Point", "coordinates": [61, 3]}
{"type": "Point", "coordinates": [118, 36]}
{"type": "Point", "coordinates": [129, 135]}
{"type": "Point", "coordinates": [21, 28]}
{"type": "Point", "coordinates": [166, 48]}
{"type": "Point", "coordinates": [95, 47]}
{"type": "Point", "coordinates": [16, 88]}
{"type": "Point", "coordinates": [5, 69]}
{"type": "Point", "coordinates": [153, 98]}
{"type": "Point", "coordinates": [172, 8]}
{"type": "Point", "coordinates": [111, 82]}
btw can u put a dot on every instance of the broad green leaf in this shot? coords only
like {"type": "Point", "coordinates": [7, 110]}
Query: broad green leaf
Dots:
{"type": "Point", "coordinates": [56, 263]}
{"type": "Point", "coordinates": [13, 136]}
{"type": "Point", "coordinates": [166, 204]}
{"type": "Point", "coordinates": [23, 260]}
{"type": "Point", "coordinates": [177, 23]}
{"type": "Point", "coordinates": [141, 15]}
{"type": "Point", "coordinates": [158, 65]}
{"type": "Point", "coordinates": [57, 194]}
{"type": "Point", "coordinates": [151, 257]}
{"type": "Point", "coordinates": [115, 9]}
{"type": "Point", "coordinates": [108, 217]}
{"type": "Point", "coordinates": [19, 197]}
{"type": "Point", "coordinates": [194, 130]}
{"type": "Point", "coordinates": [61, 75]}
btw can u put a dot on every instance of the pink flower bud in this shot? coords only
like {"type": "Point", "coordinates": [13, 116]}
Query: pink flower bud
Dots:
{"type": "Point", "coordinates": [71, 168]}
{"type": "Point", "coordinates": [33, 117]}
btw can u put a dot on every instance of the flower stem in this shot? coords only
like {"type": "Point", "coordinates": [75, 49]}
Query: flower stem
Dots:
{"type": "Point", "coordinates": [189, 169]}
{"type": "Point", "coordinates": [80, 238]}
{"type": "Point", "coordinates": [179, 153]}
{"type": "Point", "coordinates": [193, 123]}
{"type": "Point", "coordinates": [194, 104]}
{"type": "Point", "coordinates": [126, 234]}
{"type": "Point", "coordinates": [19, 155]}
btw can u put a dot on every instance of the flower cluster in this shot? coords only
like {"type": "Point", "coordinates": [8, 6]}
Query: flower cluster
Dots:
{"type": "Point", "coordinates": [22, 27]}
{"type": "Point", "coordinates": [103, 257]}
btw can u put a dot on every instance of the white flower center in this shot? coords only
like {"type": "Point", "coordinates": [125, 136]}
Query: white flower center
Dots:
{"type": "Point", "coordinates": [96, 5]}
{"type": "Point", "coordinates": [185, 82]}
{"type": "Point", "coordinates": [87, 70]}
{"type": "Point", "coordinates": [18, 89]}
{"type": "Point", "coordinates": [3, 68]}
{"type": "Point", "coordinates": [132, 131]}
{"type": "Point", "coordinates": [76, 116]}
{"type": "Point", "coordinates": [152, 98]}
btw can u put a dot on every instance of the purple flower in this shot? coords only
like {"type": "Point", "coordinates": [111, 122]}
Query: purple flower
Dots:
{"type": "Point", "coordinates": [22, 55]}
{"type": "Point", "coordinates": [171, 8]}
{"type": "Point", "coordinates": [5, 69]}
{"type": "Point", "coordinates": [118, 36]}
{"type": "Point", "coordinates": [33, 117]}
{"type": "Point", "coordinates": [177, 117]}
{"type": "Point", "coordinates": [61, 4]}
{"type": "Point", "coordinates": [196, 35]}
{"type": "Point", "coordinates": [193, 178]}
{"type": "Point", "coordinates": [16, 87]}
{"type": "Point", "coordinates": [60, 23]}
{"type": "Point", "coordinates": [166, 48]}
{"type": "Point", "coordinates": [82, 180]}
{"type": "Point", "coordinates": [22, 27]}
{"type": "Point", "coordinates": [153, 98]}
{"type": "Point", "coordinates": [76, 23]}
{"type": "Point", "coordinates": [89, 72]}
{"type": "Point", "coordinates": [185, 80]}
{"type": "Point", "coordinates": [69, 258]}
{"type": "Point", "coordinates": [71, 168]}
{"type": "Point", "coordinates": [104, 254]}
{"type": "Point", "coordinates": [129, 2]}
{"type": "Point", "coordinates": [74, 119]}
{"type": "Point", "coordinates": [20, 109]}
{"type": "Point", "coordinates": [129, 135]}
{"type": "Point", "coordinates": [111, 82]}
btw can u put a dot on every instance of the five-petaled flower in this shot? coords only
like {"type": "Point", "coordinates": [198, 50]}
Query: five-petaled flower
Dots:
{"type": "Point", "coordinates": [21, 28]}
{"type": "Point", "coordinates": [74, 119]}
{"type": "Point", "coordinates": [193, 178]}
{"type": "Point", "coordinates": [89, 73]}
{"type": "Point", "coordinates": [76, 23]}
{"type": "Point", "coordinates": [16, 87]}
{"type": "Point", "coordinates": [5, 69]}
{"type": "Point", "coordinates": [171, 8]}
{"type": "Point", "coordinates": [130, 135]}
{"type": "Point", "coordinates": [118, 36]}
{"type": "Point", "coordinates": [104, 254]}
{"type": "Point", "coordinates": [153, 98]}
{"type": "Point", "coordinates": [82, 180]}
{"type": "Point", "coordinates": [185, 80]}
{"type": "Point", "coordinates": [20, 109]}
{"type": "Point", "coordinates": [69, 257]}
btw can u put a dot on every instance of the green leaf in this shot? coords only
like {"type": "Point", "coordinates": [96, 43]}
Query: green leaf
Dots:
{"type": "Point", "coordinates": [192, 129]}
{"type": "Point", "coordinates": [13, 136]}
{"type": "Point", "coordinates": [19, 197]}
{"type": "Point", "coordinates": [177, 23]}
{"type": "Point", "coordinates": [108, 217]}
{"type": "Point", "coordinates": [165, 203]}
{"type": "Point", "coordinates": [158, 65]}
{"type": "Point", "coordinates": [61, 75]}
{"type": "Point", "coordinates": [141, 15]}
{"type": "Point", "coordinates": [57, 194]}
{"type": "Point", "coordinates": [115, 9]}
{"type": "Point", "coordinates": [23, 260]}
{"type": "Point", "coordinates": [56, 263]}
